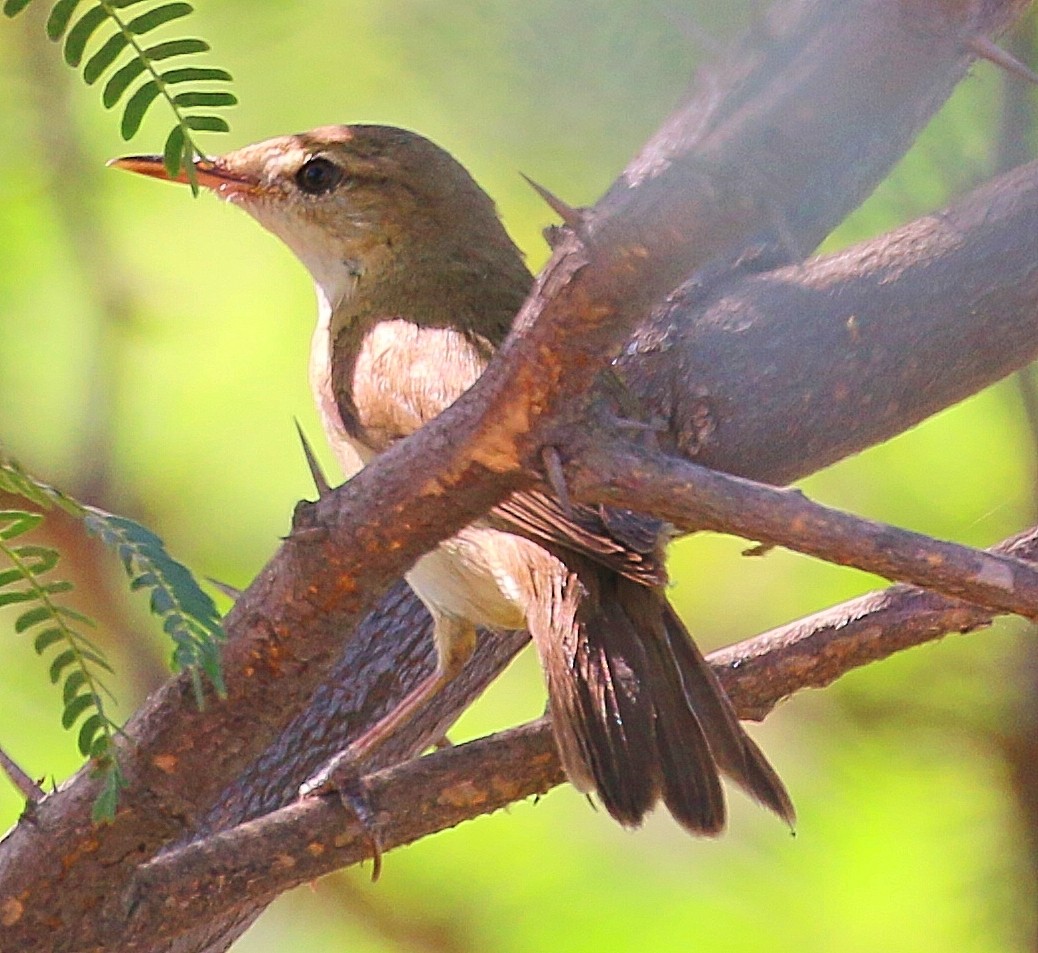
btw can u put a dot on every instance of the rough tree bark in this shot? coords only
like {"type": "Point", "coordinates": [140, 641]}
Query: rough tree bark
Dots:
{"type": "Point", "coordinates": [790, 134]}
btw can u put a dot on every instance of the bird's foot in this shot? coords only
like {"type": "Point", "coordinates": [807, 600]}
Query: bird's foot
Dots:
{"type": "Point", "coordinates": [340, 777]}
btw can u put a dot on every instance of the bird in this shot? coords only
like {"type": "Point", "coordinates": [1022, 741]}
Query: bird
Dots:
{"type": "Point", "coordinates": [418, 283]}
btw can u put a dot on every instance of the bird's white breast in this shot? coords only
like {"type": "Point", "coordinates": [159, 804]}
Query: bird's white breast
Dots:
{"type": "Point", "coordinates": [477, 574]}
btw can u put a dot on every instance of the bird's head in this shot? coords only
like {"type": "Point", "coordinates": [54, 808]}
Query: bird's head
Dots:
{"type": "Point", "coordinates": [358, 200]}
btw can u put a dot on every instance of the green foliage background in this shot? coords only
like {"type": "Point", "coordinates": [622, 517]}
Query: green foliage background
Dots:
{"type": "Point", "coordinates": [152, 357]}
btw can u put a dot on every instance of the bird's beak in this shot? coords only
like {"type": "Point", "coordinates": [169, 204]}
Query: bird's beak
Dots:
{"type": "Point", "coordinates": [208, 174]}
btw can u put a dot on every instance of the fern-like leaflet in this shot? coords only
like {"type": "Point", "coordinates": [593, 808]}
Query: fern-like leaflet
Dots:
{"type": "Point", "coordinates": [168, 84]}
{"type": "Point", "coordinates": [188, 615]}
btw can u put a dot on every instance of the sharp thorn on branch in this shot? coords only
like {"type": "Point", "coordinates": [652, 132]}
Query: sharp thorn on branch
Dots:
{"type": "Point", "coordinates": [29, 789]}
{"type": "Point", "coordinates": [556, 477]}
{"type": "Point", "coordinates": [987, 49]}
{"type": "Point", "coordinates": [232, 592]}
{"type": "Point", "coordinates": [573, 217]}
{"type": "Point", "coordinates": [320, 480]}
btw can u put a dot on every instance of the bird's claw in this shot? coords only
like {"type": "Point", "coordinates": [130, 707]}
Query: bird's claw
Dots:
{"type": "Point", "coordinates": [341, 778]}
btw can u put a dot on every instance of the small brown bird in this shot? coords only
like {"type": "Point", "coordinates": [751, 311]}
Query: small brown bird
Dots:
{"type": "Point", "coordinates": [418, 283]}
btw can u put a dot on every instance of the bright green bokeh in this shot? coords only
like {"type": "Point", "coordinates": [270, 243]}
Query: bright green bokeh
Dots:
{"type": "Point", "coordinates": [907, 839]}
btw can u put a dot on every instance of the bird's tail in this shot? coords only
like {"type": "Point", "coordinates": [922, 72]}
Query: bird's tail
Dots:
{"type": "Point", "coordinates": [637, 712]}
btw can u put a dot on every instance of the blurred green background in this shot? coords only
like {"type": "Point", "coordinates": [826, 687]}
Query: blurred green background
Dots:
{"type": "Point", "coordinates": [152, 356]}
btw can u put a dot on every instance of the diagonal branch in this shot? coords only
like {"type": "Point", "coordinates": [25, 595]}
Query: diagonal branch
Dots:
{"type": "Point", "coordinates": [313, 837]}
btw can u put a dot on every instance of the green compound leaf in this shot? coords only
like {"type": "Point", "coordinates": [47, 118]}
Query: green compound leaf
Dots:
{"type": "Point", "coordinates": [189, 616]}
{"type": "Point", "coordinates": [124, 42]}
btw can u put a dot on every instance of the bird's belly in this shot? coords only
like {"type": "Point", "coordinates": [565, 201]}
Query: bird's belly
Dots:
{"type": "Point", "coordinates": [480, 575]}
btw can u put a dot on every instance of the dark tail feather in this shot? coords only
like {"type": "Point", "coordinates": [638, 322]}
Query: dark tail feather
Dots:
{"type": "Point", "coordinates": [734, 751]}
{"type": "Point", "coordinates": [638, 715]}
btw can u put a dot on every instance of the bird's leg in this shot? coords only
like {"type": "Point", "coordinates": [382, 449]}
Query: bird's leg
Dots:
{"type": "Point", "coordinates": [455, 642]}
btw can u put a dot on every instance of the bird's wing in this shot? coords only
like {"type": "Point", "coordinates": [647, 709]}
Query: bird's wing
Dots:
{"type": "Point", "coordinates": [626, 542]}
{"type": "Point", "coordinates": [404, 374]}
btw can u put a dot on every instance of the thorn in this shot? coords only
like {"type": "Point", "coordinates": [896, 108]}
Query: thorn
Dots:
{"type": "Point", "coordinates": [987, 49]}
{"type": "Point", "coordinates": [29, 789]}
{"type": "Point", "coordinates": [232, 592]}
{"type": "Point", "coordinates": [307, 534]}
{"type": "Point", "coordinates": [573, 217]}
{"type": "Point", "coordinates": [556, 477]}
{"type": "Point", "coordinates": [320, 481]}
{"type": "Point", "coordinates": [760, 549]}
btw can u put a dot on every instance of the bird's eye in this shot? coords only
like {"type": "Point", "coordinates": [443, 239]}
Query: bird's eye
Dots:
{"type": "Point", "coordinates": [318, 175]}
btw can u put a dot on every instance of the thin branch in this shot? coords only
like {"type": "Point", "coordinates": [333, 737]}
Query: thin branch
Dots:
{"type": "Point", "coordinates": [694, 498]}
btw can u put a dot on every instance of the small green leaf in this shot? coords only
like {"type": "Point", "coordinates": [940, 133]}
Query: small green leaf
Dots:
{"type": "Point", "coordinates": [55, 588]}
{"type": "Point", "coordinates": [172, 157]}
{"type": "Point", "coordinates": [61, 662]}
{"type": "Point", "coordinates": [46, 639]}
{"type": "Point", "coordinates": [88, 733]}
{"type": "Point", "coordinates": [163, 51]}
{"type": "Point", "coordinates": [75, 708]}
{"type": "Point", "coordinates": [74, 614]}
{"type": "Point", "coordinates": [39, 559]}
{"type": "Point", "coordinates": [73, 684]}
{"type": "Point", "coordinates": [120, 82]}
{"type": "Point", "coordinates": [136, 107]}
{"type": "Point", "coordinates": [19, 595]}
{"type": "Point", "coordinates": [107, 801]}
{"type": "Point", "coordinates": [76, 41]}
{"type": "Point", "coordinates": [104, 57]}
{"type": "Point", "coordinates": [161, 601]}
{"type": "Point", "coordinates": [200, 98]}
{"type": "Point", "coordinates": [144, 581]}
{"type": "Point", "coordinates": [32, 617]}
{"type": "Point", "coordinates": [14, 7]}
{"type": "Point", "coordinates": [57, 22]}
{"type": "Point", "coordinates": [17, 522]}
{"type": "Point", "coordinates": [94, 658]}
{"type": "Point", "coordinates": [149, 21]}
{"type": "Point", "coordinates": [207, 123]}
{"type": "Point", "coordinates": [10, 575]}
{"type": "Point", "coordinates": [186, 74]}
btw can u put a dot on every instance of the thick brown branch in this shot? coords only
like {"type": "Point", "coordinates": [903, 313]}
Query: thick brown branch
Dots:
{"type": "Point", "coordinates": [784, 373]}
